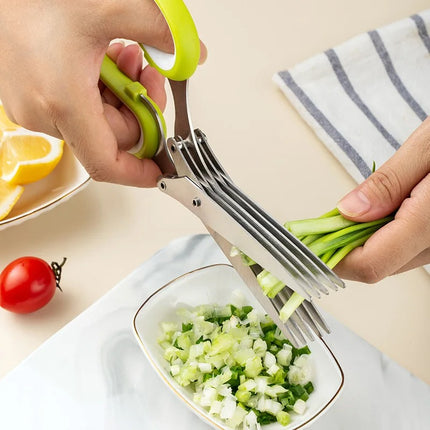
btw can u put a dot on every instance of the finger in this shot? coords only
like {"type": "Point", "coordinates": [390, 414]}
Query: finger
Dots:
{"type": "Point", "coordinates": [128, 58]}
{"type": "Point", "coordinates": [108, 96]}
{"type": "Point", "coordinates": [122, 121]}
{"type": "Point", "coordinates": [395, 245]}
{"type": "Point", "coordinates": [124, 126]}
{"type": "Point", "coordinates": [86, 130]}
{"type": "Point", "coordinates": [127, 23]}
{"type": "Point", "coordinates": [129, 61]}
{"type": "Point", "coordinates": [384, 190]}
{"type": "Point", "coordinates": [139, 20]}
{"type": "Point", "coordinates": [154, 82]}
{"type": "Point", "coordinates": [203, 53]}
{"type": "Point", "coordinates": [114, 49]}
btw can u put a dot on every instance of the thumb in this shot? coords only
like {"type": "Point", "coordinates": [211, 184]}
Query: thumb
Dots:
{"type": "Point", "coordinates": [384, 191]}
{"type": "Point", "coordinates": [143, 22]}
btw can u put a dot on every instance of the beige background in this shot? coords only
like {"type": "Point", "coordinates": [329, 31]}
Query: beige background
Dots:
{"type": "Point", "coordinates": [106, 231]}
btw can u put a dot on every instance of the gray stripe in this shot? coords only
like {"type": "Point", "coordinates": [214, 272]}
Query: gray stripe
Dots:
{"type": "Point", "coordinates": [394, 77]}
{"type": "Point", "coordinates": [322, 120]}
{"type": "Point", "coordinates": [422, 30]}
{"type": "Point", "coordinates": [350, 91]}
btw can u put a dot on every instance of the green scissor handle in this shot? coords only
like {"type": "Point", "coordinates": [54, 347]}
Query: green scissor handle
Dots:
{"type": "Point", "coordinates": [177, 66]}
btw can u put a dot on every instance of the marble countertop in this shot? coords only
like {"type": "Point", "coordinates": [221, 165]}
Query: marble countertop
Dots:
{"type": "Point", "coordinates": [92, 374]}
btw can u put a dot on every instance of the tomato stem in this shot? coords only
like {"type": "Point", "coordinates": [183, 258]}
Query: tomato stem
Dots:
{"type": "Point", "coordinates": [57, 268]}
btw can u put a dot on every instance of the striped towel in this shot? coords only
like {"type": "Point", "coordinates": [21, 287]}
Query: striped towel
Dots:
{"type": "Point", "coordinates": [366, 96]}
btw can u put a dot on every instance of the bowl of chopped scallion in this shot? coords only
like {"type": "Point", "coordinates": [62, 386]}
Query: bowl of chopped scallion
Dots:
{"type": "Point", "coordinates": [210, 342]}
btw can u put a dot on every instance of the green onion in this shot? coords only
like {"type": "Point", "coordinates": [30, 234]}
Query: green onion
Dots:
{"type": "Point", "coordinates": [331, 237]}
{"type": "Point", "coordinates": [270, 284]}
{"type": "Point", "coordinates": [327, 255]}
{"type": "Point", "coordinates": [292, 304]}
{"type": "Point", "coordinates": [344, 236]}
{"type": "Point", "coordinates": [307, 240]}
{"type": "Point", "coordinates": [341, 253]}
{"type": "Point", "coordinates": [313, 226]}
{"type": "Point", "coordinates": [230, 369]}
{"type": "Point", "coordinates": [332, 248]}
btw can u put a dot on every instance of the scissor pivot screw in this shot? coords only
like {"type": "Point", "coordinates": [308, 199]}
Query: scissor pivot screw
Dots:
{"type": "Point", "coordinates": [196, 202]}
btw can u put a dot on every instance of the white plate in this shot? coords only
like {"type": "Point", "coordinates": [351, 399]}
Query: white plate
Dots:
{"type": "Point", "coordinates": [63, 182]}
{"type": "Point", "coordinates": [215, 284]}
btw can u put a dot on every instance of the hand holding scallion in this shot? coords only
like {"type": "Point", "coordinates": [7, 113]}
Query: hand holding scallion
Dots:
{"type": "Point", "coordinates": [400, 186]}
{"type": "Point", "coordinates": [380, 228]}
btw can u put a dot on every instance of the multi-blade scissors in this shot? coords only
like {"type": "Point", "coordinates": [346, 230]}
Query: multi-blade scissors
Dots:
{"type": "Point", "coordinates": [194, 176]}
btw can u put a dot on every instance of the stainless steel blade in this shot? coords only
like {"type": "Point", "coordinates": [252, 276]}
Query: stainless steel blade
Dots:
{"type": "Point", "coordinates": [251, 282]}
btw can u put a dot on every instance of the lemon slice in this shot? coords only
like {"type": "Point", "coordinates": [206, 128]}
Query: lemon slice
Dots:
{"type": "Point", "coordinates": [9, 194]}
{"type": "Point", "coordinates": [28, 156]}
{"type": "Point", "coordinates": [5, 122]}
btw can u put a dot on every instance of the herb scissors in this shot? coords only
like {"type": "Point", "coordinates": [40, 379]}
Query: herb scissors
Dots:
{"type": "Point", "coordinates": [193, 175]}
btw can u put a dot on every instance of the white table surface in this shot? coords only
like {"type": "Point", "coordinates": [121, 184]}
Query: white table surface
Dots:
{"type": "Point", "coordinates": [106, 231]}
{"type": "Point", "coordinates": [93, 375]}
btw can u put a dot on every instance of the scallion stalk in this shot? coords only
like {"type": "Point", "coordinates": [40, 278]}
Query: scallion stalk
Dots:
{"type": "Point", "coordinates": [312, 226]}
{"type": "Point", "coordinates": [341, 253]}
{"type": "Point", "coordinates": [331, 237]}
{"type": "Point", "coordinates": [341, 238]}
{"type": "Point", "coordinates": [290, 306]}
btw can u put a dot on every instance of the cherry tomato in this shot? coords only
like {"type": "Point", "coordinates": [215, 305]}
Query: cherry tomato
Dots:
{"type": "Point", "coordinates": [28, 283]}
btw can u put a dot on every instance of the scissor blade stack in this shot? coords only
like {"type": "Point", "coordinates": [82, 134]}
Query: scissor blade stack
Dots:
{"type": "Point", "coordinates": [305, 323]}
{"type": "Point", "coordinates": [312, 268]}
{"type": "Point", "coordinates": [204, 187]}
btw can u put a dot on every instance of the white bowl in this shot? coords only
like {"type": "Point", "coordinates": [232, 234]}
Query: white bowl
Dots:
{"type": "Point", "coordinates": [63, 182]}
{"type": "Point", "coordinates": [215, 284]}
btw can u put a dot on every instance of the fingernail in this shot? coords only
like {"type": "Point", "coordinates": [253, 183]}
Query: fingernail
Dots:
{"type": "Point", "coordinates": [354, 204]}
